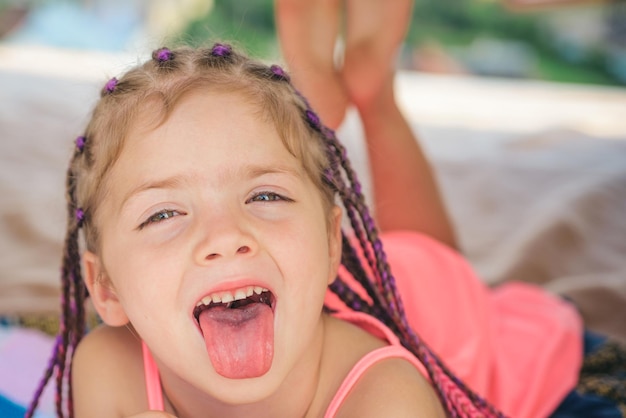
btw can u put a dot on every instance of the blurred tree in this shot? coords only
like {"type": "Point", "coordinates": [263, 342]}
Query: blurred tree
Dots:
{"type": "Point", "coordinates": [249, 22]}
{"type": "Point", "coordinates": [455, 25]}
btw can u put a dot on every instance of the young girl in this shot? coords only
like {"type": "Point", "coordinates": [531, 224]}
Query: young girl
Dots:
{"type": "Point", "coordinates": [211, 196]}
{"type": "Point", "coordinates": [205, 188]}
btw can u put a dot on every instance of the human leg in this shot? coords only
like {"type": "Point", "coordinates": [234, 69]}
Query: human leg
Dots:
{"type": "Point", "coordinates": [406, 194]}
{"type": "Point", "coordinates": [308, 31]}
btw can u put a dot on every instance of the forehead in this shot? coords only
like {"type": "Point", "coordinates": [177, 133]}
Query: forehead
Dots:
{"type": "Point", "coordinates": [216, 131]}
{"type": "Point", "coordinates": [194, 106]}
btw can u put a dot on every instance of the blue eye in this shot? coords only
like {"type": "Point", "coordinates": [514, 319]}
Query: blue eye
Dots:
{"type": "Point", "coordinates": [160, 216]}
{"type": "Point", "coordinates": [268, 197]}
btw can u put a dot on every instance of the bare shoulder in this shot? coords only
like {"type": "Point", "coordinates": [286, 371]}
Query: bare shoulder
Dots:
{"type": "Point", "coordinates": [392, 387]}
{"type": "Point", "coordinates": [107, 374]}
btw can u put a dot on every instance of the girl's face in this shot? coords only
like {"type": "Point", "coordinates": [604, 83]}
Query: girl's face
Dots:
{"type": "Point", "coordinates": [208, 207]}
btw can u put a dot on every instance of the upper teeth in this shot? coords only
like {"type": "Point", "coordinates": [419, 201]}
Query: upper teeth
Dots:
{"type": "Point", "coordinates": [232, 295]}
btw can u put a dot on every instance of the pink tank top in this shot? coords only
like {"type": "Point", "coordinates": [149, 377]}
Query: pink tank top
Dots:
{"type": "Point", "coordinates": [371, 325]}
{"type": "Point", "coordinates": [516, 345]}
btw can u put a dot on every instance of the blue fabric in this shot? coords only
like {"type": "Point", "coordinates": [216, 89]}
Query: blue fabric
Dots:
{"type": "Point", "coordinates": [580, 405]}
{"type": "Point", "coordinates": [9, 409]}
{"type": "Point", "coordinates": [592, 341]}
{"type": "Point", "coordinates": [577, 405]}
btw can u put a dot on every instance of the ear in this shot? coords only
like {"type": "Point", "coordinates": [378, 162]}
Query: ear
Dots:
{"type": "Point", "coordinates": [334, 242]}
{"type": "Point", "coordinates": [101, 291]}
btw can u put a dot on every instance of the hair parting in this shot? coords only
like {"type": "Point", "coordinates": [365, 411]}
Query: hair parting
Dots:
{"type": "Point", "coordinates": [168, 76]}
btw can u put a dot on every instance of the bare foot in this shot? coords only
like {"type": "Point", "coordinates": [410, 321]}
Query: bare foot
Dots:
{"type": "Point", "coordinates": [308, 30]}
{"type": "Point", "coordinates": [374, 31]}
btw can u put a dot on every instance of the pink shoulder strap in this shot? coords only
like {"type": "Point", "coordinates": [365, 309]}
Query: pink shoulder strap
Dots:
{"type": "Point", "coordinates": [153, 381]}
{"type": "Point", "coordinates": [394, 350]}
{"type": "Point", "coordinates": [363, 365]}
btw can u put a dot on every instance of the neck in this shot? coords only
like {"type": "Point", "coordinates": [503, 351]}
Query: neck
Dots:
{"type": "Point", "coordinates": [297, 395]}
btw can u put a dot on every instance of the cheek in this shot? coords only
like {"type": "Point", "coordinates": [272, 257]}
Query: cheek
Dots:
{"type": "Point", "coordinates": [308, 255]}
{"type": "Point", "coordinates": [137, 277]}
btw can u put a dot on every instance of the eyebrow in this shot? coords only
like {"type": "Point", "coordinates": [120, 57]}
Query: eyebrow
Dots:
{"type": "Point", "coordinates": [249, 172]}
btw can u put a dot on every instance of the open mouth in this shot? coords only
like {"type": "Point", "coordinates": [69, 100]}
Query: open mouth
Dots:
{"type": "Point", "coordinates": [237, 299]}
{"type": "Point", "coordinates": [238, 330]}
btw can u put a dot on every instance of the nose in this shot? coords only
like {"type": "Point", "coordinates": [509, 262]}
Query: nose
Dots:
{"type": "Point", "coordinates": [244, 249]}
{"type": "Point", "coordinates": [224, 234]}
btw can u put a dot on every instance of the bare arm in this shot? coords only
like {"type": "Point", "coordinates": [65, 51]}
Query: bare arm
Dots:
{"type": "Point", "coordinates": [405, 189]}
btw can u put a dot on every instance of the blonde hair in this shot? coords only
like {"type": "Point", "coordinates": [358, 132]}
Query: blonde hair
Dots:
{"type": "Point", "coordinates": [161, 85]}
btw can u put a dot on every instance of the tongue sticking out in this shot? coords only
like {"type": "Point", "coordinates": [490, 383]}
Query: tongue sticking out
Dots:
{"type": "Point", "coordinates": [239, 341]}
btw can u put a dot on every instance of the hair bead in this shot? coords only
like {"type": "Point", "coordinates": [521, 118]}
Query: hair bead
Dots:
{"type": "Point", "coordinates": [162, 55]}
{"type": "Point", "coordinates": [221, 50]}
{"type": "Point", "coordinates": [80, 143]}
{"type": "Point", "coordinates": [110, 86]}
{"type": "Point", "coordinates": [80, 216]}
{"type": "Point", "coordinates": [279, 73]}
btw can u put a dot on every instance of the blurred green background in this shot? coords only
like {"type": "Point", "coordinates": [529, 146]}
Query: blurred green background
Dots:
{"type": "Point", "coordinates": [580, 42]}
{"type": "Point", "coordinates": [572, 43]}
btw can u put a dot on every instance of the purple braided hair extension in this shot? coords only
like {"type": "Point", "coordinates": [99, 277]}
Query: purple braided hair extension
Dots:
{"type": "Point", "coordinates": [72, 319]}
{"type": "Point", "coordinates": [47, 375]}
{"type": "Point", "coordinates": [458, 399]}
{"type": "Point", "coordinates": [353, 264]}
{"type": "Point", "coordinates": [449, 388]}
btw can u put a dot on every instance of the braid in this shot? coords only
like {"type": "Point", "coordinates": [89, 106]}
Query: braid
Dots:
{"type": "Point", "coordinates": [73, 293]}
{"type": "Point", "coordinates": [387, 306]}
{"type": "Point", "coordinates": [73, 318]}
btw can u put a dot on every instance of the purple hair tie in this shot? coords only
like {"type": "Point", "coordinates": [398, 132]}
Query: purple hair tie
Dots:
{"type": "Point", "coordinates": [162, 55]}
{"type": "Point", "coordinates": [110, 86]}
{"type": "Point", "coordinates": [80, 143]}
{"type": "Point", "coordinates": [221, 50]}
{"type": "Point", "coordinates": [278, 71]}
{"type": "Point", "coordinates": [80, 216]}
